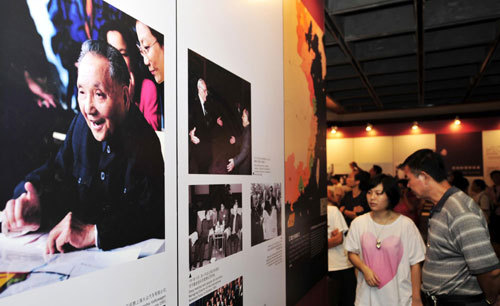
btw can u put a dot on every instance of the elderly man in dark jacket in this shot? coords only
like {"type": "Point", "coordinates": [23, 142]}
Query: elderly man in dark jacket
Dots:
{"type": "Point", "coordinates": [105, 186]}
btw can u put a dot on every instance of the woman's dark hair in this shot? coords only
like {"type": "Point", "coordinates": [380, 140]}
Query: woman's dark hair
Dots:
{"type": "Point", "coordinates": [136, 63]}
{"type": "Point", "coordinates": [479, 183]}
{"type": "Point", "coordinates": [363, 177]}
{"type": "Point", "coordinates": [494, 172]}
{"type": "Point", "coordinates": [459, 180]}
{"type": "Point", "coordinates": [390, 188]}
{"type": "Point", "coordinates": [377, 169]}
{"type": "Point", "coordinates": [403, 182]}
{"type": "Point", "coordinates": [157, 35]}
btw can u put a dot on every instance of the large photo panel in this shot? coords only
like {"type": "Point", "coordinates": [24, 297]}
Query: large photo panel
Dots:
{"type": "Point", "coordinates": [220, 135]}
{"type": "Point", "coordinates": [83, 109]}
{"type": "Point", "coordinates": [230, 133]}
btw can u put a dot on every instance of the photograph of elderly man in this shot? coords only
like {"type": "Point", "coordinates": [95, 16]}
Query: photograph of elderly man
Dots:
{"type": "Point", "coordinates": [219, 107]}
{"type": "Point", "coordinates": [84, 177]}
{"type": "Point", "coordinates": [105, 186]}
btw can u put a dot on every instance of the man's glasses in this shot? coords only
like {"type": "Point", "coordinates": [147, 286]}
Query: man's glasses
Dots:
{"type": "Point", "coordinates": [145, 50]}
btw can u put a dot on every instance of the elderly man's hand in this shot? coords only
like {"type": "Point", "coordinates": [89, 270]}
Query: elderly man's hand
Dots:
{"type": "Point", "coordinates": [23, 213]}
{"type": "Point", "coordinates": [358, 209]}
{"type": "Point", "coordinates": [230, 165]}
{"type": "Point", "coordinates": [193, 138]}
{"type": "Point", "coordinates": [70, 231]}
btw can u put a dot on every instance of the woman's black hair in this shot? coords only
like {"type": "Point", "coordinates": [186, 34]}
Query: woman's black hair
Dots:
{"type": "Point", "coordinates": [157, 35]}
{"type": "Point", "coordinates": [390, 188]}
{"type": "Point", "coordinates": [364, 178]}
{"type": "Point", "coordinates": [480, 183]}
{"type": "Point", "coordinates": [136, 63]}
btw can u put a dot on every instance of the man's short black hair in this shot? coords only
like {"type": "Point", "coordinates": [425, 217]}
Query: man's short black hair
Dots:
{"type": "Point", "coordinates": [426, 160]}
{"type": "Point", "coordinates": [363, 177]}
{"type": "Point", "coordinates": [479, 183]}
{"type": "Point", "coordinates": [494, 172]}
{"type": "Point", "coordinates": [390, 187]}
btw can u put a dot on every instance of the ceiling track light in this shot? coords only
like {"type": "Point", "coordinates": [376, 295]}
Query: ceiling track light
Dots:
{"type": "Point", "coordinates": [457, 121]}
{"type": "Point", "coordinates": [414, 126]}
{"type": "Point", "coordinates": [369, 127]}
{"type": "Point", "coordinates": [334, 129]}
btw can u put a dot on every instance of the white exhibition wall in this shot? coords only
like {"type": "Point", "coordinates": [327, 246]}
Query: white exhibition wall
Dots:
{"type": "Point", "coordinates": [390, 151]}
{"type": "Point", "coordinates": [246, 39]}
{"type": "Point", "coordinates": [491, 153]}
{"type": "Point", "coordinates": [386, 151]}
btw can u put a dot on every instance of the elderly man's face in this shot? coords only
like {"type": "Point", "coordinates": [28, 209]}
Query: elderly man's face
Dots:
{"type": "Point", "coordinates": [416, 183]}
{"type": "Point", "coordinates": [202, 91]}
{"type": "Point", "coordinates": [102, 101]}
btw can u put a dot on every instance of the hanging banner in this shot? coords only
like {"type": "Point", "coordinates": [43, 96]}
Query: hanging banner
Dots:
{"type": "Point", "coordinates": [305, 146]}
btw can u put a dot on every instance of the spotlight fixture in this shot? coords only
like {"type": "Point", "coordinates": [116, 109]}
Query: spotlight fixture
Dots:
{"type": "Point", "coordinates": [369, 127]}
{"type": "Point", "coordinates": [414, 126]}
{"type": "Point", "coordinates": [334, 129]}
{"type": "Point", "coordinates": [457, 121]}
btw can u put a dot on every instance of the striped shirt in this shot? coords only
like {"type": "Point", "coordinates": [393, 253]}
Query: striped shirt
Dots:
{"type": "Point", "coordinates": [458, 247]}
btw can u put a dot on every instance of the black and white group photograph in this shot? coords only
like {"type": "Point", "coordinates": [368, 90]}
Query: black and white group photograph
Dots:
{"type": "Point", "coordinates": [220, 134]}
{"type": "Point", "coordinates": [266, 212]}
{"type": "Point", "coordinates": [215, 223]}
{"type": "Point", "coordinates": [230, 294]}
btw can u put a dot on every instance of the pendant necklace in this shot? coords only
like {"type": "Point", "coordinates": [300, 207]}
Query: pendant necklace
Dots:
{"type": "Point", "coordinates": [379, 242]}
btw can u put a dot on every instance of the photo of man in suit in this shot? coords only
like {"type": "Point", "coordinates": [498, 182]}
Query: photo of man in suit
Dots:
{"type": "Point", "coordinates": [235, 225]}
{"type": "Point", "coordinates": [219, 111]}
{"type": "Point", "coordinates": [200, 125]}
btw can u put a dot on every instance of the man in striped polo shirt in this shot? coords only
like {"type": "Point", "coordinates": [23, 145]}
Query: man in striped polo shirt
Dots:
{"type": "Point", "coordinates": [460, 265]}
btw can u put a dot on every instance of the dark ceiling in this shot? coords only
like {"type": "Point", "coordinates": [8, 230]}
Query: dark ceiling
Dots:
{"type": "Point", "coordinates": [392, 54]}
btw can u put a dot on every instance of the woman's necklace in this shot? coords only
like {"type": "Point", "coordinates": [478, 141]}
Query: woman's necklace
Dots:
{"type": "Point", "coordinates": [379, 242]}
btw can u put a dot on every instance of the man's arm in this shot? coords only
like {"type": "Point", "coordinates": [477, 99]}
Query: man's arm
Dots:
{"type": "Point", "coordinates": [476, 244]}
{"type": "Point", "coordinates": [336, 238]}
{"type": "Point", "coordinates": [245, 147]}
{"type": "Point", "coordinates": [490, 284]}
{"type": "Point", "coordinates": [351, 214]}
{"type": "Point", "coordinates": [23, 213]}
{"type": "Point", "coordinates": [416, 280]}
{"type": "Point", "coordinates": [26, 211]}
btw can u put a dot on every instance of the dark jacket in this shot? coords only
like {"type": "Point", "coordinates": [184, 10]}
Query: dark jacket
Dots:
{"type": "Point", "coordinates": [200, 155]}
{"type": "Point", "coordinates": [243, 161]}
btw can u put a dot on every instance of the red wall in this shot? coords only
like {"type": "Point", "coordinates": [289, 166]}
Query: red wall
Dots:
{"type": "Point", "coordinates": [425, 127]}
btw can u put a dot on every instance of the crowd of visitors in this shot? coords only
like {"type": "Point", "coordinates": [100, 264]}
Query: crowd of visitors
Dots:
{"type": "Point", "coordinates": [421, 237]}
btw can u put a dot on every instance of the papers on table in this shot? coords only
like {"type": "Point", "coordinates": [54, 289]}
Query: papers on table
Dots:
{"type": "Point", "coordinates": [26, 254]}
